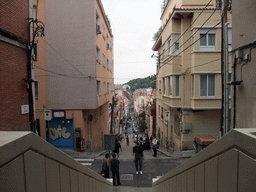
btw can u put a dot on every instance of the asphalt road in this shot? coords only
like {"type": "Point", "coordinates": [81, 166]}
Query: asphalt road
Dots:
{"type": "Point", "coordinates": [152, 166]}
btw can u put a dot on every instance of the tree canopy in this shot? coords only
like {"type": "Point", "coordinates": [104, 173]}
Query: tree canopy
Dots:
{"type": "Point", "coordinates": [142, 82]}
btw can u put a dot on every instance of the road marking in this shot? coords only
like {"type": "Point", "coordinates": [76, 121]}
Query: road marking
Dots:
{"type": "Point", "coordinates": [84, 159]}
{"type": "Point", "coordinates": [86, 164]}
{"type": "Point", "coordinates": [126, 177]}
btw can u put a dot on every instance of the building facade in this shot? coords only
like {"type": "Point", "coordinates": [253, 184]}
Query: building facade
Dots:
{"type": "Point", "coordinates": [74, 72]}
{"type": "Point", "coordinates": [15, 65]}
{"type": "Point", "coordinates": [243, 64]}
{"type": "Point", "coordinates": [188, 72]}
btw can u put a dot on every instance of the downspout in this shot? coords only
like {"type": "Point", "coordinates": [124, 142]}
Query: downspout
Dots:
{"type": "Point", "coordinates": [234, 95]}
{"type": "Point", "coordinates": [222, 76]}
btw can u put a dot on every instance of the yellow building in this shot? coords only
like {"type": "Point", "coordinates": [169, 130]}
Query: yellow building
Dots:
{"type": "Point", "coordinates": [74, 69]}
{"type": "Point", "coordinates": [188, 72]}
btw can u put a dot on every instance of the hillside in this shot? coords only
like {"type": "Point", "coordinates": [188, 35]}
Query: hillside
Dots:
{"type": "Point", "coordinates": [142, 82]}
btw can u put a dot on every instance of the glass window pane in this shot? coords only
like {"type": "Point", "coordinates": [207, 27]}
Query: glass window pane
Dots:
{"type": "Point", "coordinates": [211, 85]}
{"type": "Point", "coordinates": [169, 46]}
{"type": "Point", "coordinates": [163, 85]}
{"type": "Point", "coordinates": [192, 86]}
{"type": "Point", "coordinates": [203, 85]}
{"type": "Point", "coordinates": [202, 39]}
{"type": "Point", "coordinates": [177, 85]}
{"type": "Point", "coordinates": [170, 85]}
{"type": "Point", "coordinates": [177, 46]}
{"type": "Point", "coordinates": [211, 39]}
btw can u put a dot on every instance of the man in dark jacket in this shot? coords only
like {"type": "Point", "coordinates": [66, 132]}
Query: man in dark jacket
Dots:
{"type": "Point", "coordinates": [138, 156]}
{"type": "Point", "coordinates": [117, 147]}
{"type": "Point", "coordinates": [115, 170]}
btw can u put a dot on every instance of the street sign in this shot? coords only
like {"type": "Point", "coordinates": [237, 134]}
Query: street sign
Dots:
{"type": "Point", "coordinates": [167, 115]}
{"type": "Point", "coordinates": [47, 115]}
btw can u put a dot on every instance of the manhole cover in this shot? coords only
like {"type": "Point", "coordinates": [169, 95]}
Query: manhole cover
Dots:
{"type": "Point", "coordinates": [126, 177]}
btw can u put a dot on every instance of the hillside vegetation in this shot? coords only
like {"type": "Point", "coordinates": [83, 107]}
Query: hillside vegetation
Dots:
{"type": "Point", "coordinates": [142, 82]}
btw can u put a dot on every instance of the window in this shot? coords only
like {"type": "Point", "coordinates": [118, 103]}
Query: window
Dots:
{"type": "Point", "coordinates": [164, 86]}
{"type": "Point", "coordinates": [207, 39]}
{"type": "Point", "coordinates": [103, 60]}
{"type": "Point", "coordinates": [107, 87]}
{"type": "Point", "coordinates": [104, 87]}
{"type": "Point", "coordinates": [164, 54]}
{"type": "Point", "coordinates": [98, 88]}
{"type": "Point", "coordinates": [97, 54]}
{"type": "Point", "coordinates": [36, 89]}
{"type": "Point", "coordinates": [170, 85]}
{"type": "Point", "coordinates": [103, 31]}
{"type": "Point", "coordinates": [169, 47]}
{"type": "Point", "coordinates": [97, 19]}
{"type": "Point", "coordinates": [207, 85]}
{"type": "Point", "coordinates": [162, 112]}
{"type": "Point", "coordinates": [107, 64]}
{"type": "Point", "coordinates": [176, 44]}
{"type": "Point", "coordinates": [159, 85]}
{"type": "Point", "coordinates": [177, 85]}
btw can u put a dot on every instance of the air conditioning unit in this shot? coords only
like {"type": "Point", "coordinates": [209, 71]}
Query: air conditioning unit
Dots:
{"type": "Point", "coordinates": [98, 31]}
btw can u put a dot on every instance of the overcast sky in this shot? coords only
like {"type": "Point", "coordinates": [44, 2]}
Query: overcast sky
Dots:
{"type": "Point", "coordinates": [133, 24]}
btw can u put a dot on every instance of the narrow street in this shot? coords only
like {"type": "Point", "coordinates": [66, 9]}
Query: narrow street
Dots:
{"type": "Point", "coordinates": [152, 167]}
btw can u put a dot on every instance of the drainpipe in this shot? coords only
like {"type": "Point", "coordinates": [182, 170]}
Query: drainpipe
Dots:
{"type": "Point", "coordinates": [226, 82]}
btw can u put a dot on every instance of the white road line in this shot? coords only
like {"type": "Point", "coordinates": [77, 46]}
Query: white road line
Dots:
{"type": "Point", "coordinates": [90, 160]}
{"type": "Point", "coordinates": [86, 164]}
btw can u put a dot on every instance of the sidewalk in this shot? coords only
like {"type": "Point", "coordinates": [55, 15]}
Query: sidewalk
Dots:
{"type": "Point", "coordinates": [176, 154]}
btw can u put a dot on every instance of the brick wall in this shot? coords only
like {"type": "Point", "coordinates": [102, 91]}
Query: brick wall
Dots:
{"type": "Point", "coordinates": [13, 88]}
{"type": "Point", "coordinates": [14, 14]}
{"type": "Point", "coordinates": [13, 66]}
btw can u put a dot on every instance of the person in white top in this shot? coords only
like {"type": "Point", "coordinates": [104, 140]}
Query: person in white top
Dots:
{"type": "Point", "coordinates": [154, 142]}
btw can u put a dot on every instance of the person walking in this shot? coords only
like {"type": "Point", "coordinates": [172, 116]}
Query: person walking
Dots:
{"type": "Point", "coordinates": [117, 147]}
{"type": "Point", "coordinates": [127, 140]}
{"type": "Point", "coordinates": [115, 169]}
{"type": "Point", "coordinates": [138, 156]}
{"type": "Point", "coordinates": [154, 143]}
{"type": "Point", "coordinates": [105, 166]}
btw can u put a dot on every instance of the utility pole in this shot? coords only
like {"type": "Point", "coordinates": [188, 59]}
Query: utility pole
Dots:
{"type": "Point", "coordinates": [112, 115]}
{"type": "Point", "coordinates": [225, 68]}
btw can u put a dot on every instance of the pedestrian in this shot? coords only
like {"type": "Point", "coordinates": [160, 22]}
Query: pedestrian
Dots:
{"type": "Point", "coordinates": [105, 166]}
{"type": "Point", "coordinates": [127, 140]}
{"type": "Point", "coordinates": [115, 169]}
{"type": "Point", "coordinates": [117, 147]}
{"type": "Point", "coordinates": [138, 156]}
{"type": "Point", "coordinates": [154, 143]}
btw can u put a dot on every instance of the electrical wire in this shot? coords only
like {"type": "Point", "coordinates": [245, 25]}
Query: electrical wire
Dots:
{"type": "Point", "coordinates": [195, 31]}
{"type": "Point", "coordinates": [63, 57]}
{"type": "Point", "coordinates": [191, 44]}
{"type": "Point", "coordinates": [188, 27]}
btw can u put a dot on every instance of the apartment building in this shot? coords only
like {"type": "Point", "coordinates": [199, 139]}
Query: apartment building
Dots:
{"type": "Point", "coordinates": [188, 72]}
{"type": "Point", "coordinates": [74, 69]}
{"type": "Point", "coordinates": [243, 64]}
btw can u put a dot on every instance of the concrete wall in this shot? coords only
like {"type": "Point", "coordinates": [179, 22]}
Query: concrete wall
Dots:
{"type": "Point", "coordinates": [243, 16]}
{"type": "Point", "coordinates": [31, 164]}
{"type": "Point", "coordinates": [71, 50]}
{"type": "Point", "coordinates": [229, 164]}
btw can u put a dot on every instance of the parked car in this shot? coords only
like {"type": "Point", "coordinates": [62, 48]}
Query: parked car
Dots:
{"type": "Point", "coordinates": [144, 139]}
{"type": "Point", "coordinates": [202, 141]}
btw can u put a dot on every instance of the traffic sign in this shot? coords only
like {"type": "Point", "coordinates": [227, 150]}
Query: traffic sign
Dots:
{"type": "Point", "coordinates": [47, 115]}
{"type": "Point", "coordinates": [167, 115]}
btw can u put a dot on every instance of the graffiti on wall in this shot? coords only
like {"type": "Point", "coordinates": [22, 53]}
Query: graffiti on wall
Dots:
{"type": "Point", "coordinates": [59, 132]}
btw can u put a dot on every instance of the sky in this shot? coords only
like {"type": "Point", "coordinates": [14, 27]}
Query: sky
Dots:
{"type": "Point", "coordinates": [133, 24]}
